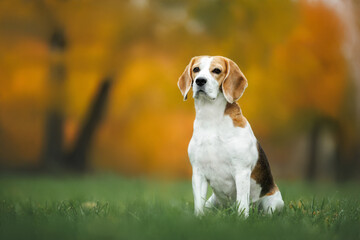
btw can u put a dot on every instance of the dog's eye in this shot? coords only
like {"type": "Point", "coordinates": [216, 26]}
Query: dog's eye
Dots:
{"type": "Point", "coordinates": [216, 70]}
{"type": "Point", "coordinates": [196, 69]}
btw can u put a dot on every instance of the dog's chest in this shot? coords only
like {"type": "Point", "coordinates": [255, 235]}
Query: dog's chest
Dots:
{"type": "Point", "coordinates": [209, 149]}
{"type": "Point", "coordinates": [218, 149]}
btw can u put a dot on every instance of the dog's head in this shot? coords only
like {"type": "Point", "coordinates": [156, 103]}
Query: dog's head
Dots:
{"type": "Point", "coordinates": [210, 76]}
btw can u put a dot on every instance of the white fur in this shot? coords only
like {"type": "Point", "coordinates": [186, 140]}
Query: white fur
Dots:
{"type": "Point", "coordinates": [212, 86]}
{"type": "Point", "coordinates": [221, 154]}
{"type": "Point", "coordinates": [272, 203]}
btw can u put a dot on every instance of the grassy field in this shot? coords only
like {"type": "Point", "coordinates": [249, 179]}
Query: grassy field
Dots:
{"type": "Point", "coordinates": [109, 207]}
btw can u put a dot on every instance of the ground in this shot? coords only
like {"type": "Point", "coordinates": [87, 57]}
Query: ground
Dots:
{"type": "Point", "coordinates": [112, 207]}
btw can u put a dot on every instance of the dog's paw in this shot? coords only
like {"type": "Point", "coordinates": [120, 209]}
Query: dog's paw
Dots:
{"type": "Point", "coordinates": [199, 213]}
{"type": "Point", "coordinates": [243, 212]}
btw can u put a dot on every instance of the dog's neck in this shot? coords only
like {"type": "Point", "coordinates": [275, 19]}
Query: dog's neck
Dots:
{"type": "Point", "coordinates": [210, 111]}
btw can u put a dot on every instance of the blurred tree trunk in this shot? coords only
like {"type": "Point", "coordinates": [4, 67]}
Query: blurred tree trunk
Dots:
{"type": "Point", "coordinates": [338, 163]}
{"type": "Point", "coordinates": [350, 15]}
{"type": "Point", "coordinates": [314, 142]}
{"type": "Point", "coordinates": [53, 144]}
{"type": "Point", "coordinates": [77, 158]}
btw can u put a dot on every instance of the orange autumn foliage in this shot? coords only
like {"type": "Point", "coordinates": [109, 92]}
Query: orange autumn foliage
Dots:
{"type": "Point", "coordinates": [290, 52]}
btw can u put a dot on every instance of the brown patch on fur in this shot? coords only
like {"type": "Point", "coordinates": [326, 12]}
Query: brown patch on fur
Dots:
{"type": "Point", "coordinates": [195, 63]}
{"type": "Point", "coordinates": [262, 174]}
{"type": "Point", "coordinates": [273, 190]}
{"type": "Point", "coordinates": [220, 63]}
{"type": "Point", "coordinates": [234, 83]}
{"type": "Point", "coordinates": [234, 111]}
{"type": "Point", "coordinates": [186, 79]}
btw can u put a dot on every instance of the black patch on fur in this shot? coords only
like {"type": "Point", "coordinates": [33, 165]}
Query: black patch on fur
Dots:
{"type": "Point", "coordinates": [262, 173]}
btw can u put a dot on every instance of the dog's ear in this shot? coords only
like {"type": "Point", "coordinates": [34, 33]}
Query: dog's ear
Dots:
{"type": "Point", "coordinates": [185, 80]}
{"type": "Point", "coordinates": [234, 83]}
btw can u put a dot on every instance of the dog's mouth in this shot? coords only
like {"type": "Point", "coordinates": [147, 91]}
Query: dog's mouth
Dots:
{"type": "Point", "coordinates": [201, 92]}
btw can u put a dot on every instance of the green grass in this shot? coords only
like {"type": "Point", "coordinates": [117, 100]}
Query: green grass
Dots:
{"type": "Point", "coordinates": [109, 207]}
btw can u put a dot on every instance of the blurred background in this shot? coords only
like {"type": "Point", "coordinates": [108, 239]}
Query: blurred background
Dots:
{"type": "Point", "coordinates": [90, 86]}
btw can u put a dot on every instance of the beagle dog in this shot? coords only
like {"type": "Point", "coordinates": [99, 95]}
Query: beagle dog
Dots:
{"type": "Point", "coordinates": [223, 150]}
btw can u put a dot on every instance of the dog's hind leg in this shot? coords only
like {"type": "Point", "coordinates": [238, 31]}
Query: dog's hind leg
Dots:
{"type": "Point", "coordinates": [272, 203]}
{"type": "Point", "coordinates": [212, 202]}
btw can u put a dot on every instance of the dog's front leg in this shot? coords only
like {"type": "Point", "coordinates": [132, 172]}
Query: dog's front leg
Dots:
{"type": "Point", "coordinates": [199, 185]}
{"type": "Point", "coordinates": [242, 179]}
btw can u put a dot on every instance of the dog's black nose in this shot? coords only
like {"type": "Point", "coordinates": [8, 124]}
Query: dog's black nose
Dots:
{"type": "Point", "coordinates": [200, 81]}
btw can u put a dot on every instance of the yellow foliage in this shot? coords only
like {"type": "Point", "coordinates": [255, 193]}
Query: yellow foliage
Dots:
{"type": "Point", "coordinates": [290, 51]}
